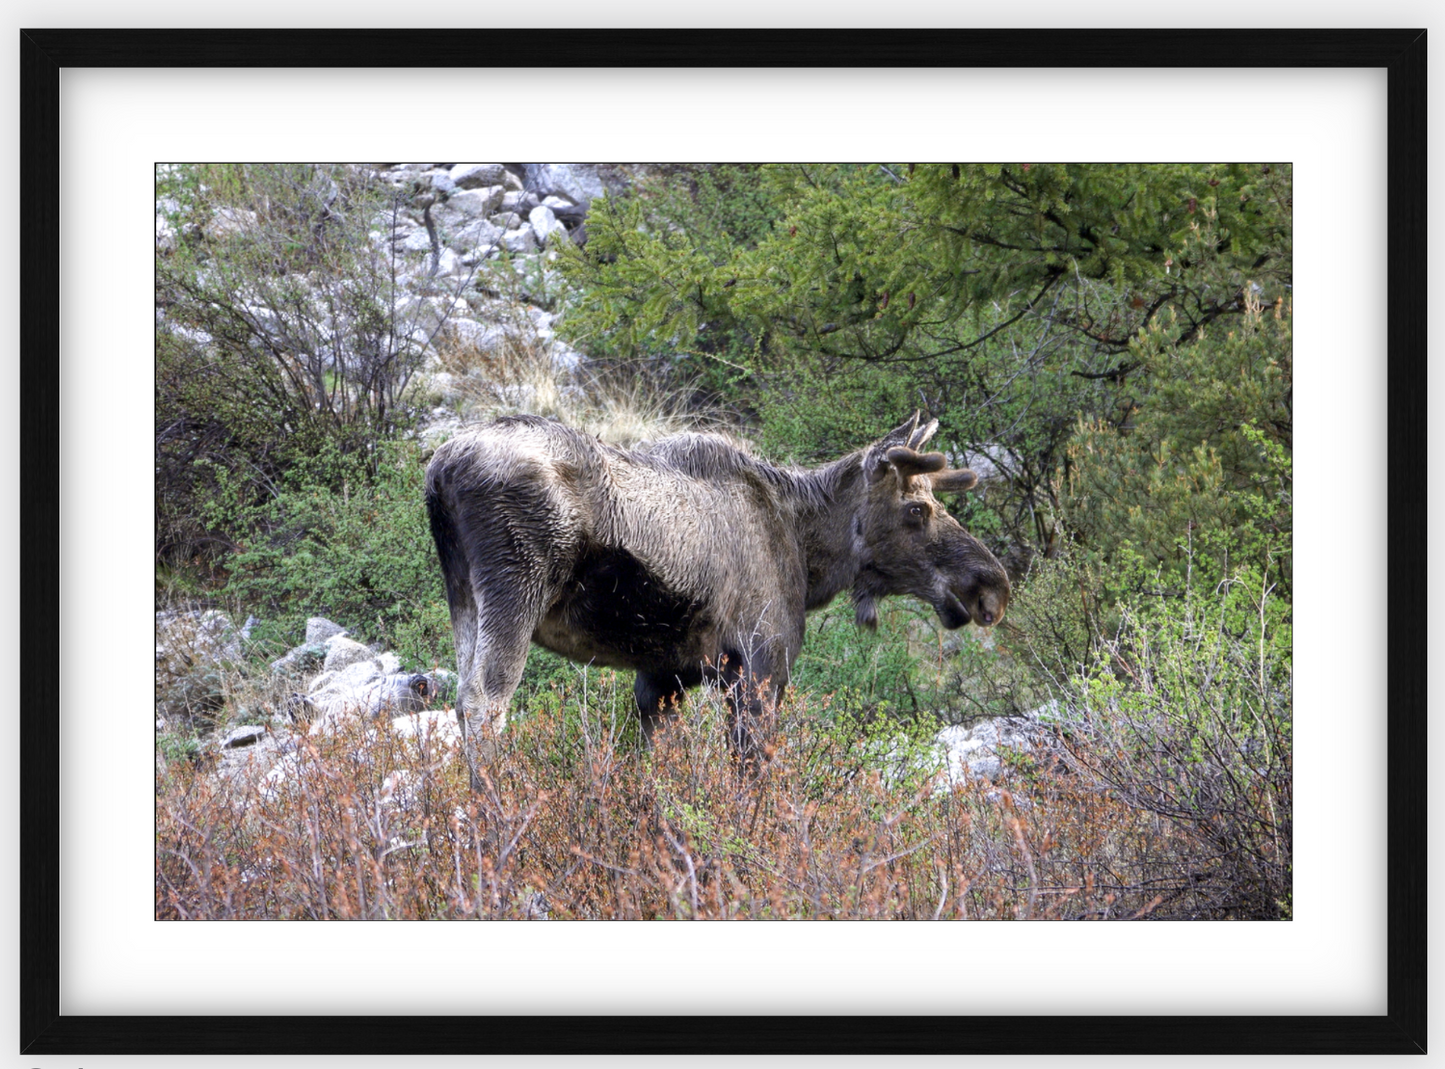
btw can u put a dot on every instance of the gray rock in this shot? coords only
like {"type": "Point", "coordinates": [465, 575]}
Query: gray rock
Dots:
{"type": "Point", "coordinates": [544, 222]}
{"type": "Point", "coordinates": [343, 652]}
{"type": "Point", "coordinates": [295, 709]}
{"type": "Point", "coordinates": [449, 264]}
{"type": "Point", "coordinates": [165, 234]}
{"type": "Point", "coordinates": [977, 752]}
{"type": "Point", "coordinates": [394, 695]}
{"type": "Point", "coordinates": [565, 358]}
{"type": "Point", "coordinates": [1051, 712]}
{"type": "Point", "coordinates": [199, 338]}
{"type": "Point", "coordinates": [352, 675]}
{"type": "Point", "coordinates": [520, 241]}
{"type": "Point", "coordinates": [507, 220]}
{"type": "Point", "coordinates": [244, 736]}
{"type": "Point", "coordinates": [578, 182]}
{"type": "Point", "coordinates": [476, 203]}
{"type": "Point", "coordinates": [468, 333]}
{"type": "Point", "coordinates": [185, 640]}
{"type": "Point", "coordinates": [344, 680]}
{"type": "Point", "coordinates": [512, 181]}
{"type": "Point", "coordinates": [279, 778]}
{"type": "Point", "coordinates": [989, 461]}
{"type": "Point", "coordinates": [412, 239]}
{"type": "Point", "coordinates": [440, 725]}
{"type": "Point", "coordinates": [319, 629]}
{"type": "Point", "coordinates": [474, 175]}
{"type": "Point", "coordinates": [245, 765]}
{"type": "Point", "coordinates": [226, 223]}
{"type": "Point", "coordinates": [440, 429]}
{"type": "Point", "coordinates": [300, 660]}
{"type": "Point", "coordinates": [398, 788]}
{"type": "Point", "coordinates": [425, 314]}
{"type": "Point", "coordinates": [478, 234]}
{"type": "Point", "coordinates": [535, 907]}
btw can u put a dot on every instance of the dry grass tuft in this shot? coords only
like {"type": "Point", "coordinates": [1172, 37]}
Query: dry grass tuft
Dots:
{"type": "Point", "coordinates": [514, 373]}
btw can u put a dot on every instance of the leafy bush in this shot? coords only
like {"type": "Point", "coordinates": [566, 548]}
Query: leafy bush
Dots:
{"type": "Point", "coordinates": [859, 672]}
{"type": "Point", "coordinates": [1171, 796]}
{"type": "Point", "coordinates": [1202, 732]}
{"type": "Point", "coordinates": [283, 327]}
{"type": "Point", "coordinates": [1178, 702]}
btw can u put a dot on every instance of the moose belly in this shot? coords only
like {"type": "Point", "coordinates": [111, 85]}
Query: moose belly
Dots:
{"type": "Point", "coordinates": [615, 611]}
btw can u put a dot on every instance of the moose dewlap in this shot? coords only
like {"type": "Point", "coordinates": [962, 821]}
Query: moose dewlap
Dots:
{"type": "Point", "coordinates": [687, 559]}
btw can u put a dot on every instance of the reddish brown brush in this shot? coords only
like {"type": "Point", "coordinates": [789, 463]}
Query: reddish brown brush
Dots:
{"type": "Point", "coordinates": [575, 821]}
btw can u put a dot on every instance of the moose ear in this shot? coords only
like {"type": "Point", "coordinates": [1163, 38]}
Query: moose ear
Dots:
{"type": "Point", "coordinates": [902, 434]}
{"type": "Point", "coordinates": [955, 481]}
{"type": "Point", "coordinates": [876, 465]}
{"type": "Point", "coordinates": [922, 434]}
{"type": "Point", "coordinates": [909, 462]}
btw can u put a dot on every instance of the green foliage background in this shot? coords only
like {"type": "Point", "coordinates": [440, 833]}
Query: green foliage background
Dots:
{"type": "Point", "coordinates": [1012, 302]}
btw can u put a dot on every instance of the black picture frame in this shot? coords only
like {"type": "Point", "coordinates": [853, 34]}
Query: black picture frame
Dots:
{"type": "Point", "coordinates": [45, 1031]}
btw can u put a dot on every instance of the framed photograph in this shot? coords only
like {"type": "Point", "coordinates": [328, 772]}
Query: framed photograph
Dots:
{"type": "Point", "coordinates": [1343, 967]}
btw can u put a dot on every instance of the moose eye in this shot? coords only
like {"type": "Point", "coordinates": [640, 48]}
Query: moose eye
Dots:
{"type": "Point", "coordinates": [916, 513]}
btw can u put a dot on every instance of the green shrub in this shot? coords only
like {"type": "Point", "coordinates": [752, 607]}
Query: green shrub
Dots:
{"type": "Point", "coordinates": [859, 672]}
{"type": "Point", "coordinates": [361, 555]}
{"type": "Point", "coordinates": [174, 746]}
{"type": "Point", "coordinates": [909, 671]}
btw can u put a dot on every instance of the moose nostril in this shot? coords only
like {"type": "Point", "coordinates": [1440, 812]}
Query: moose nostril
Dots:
{"type": "Point", "coordinates": [987, 618]}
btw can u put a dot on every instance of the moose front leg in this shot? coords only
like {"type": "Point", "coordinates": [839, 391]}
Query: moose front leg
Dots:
{"type": "Point", "coordinates": [659, 696]}
{"type": "Point", "coordinates": [752, 694]}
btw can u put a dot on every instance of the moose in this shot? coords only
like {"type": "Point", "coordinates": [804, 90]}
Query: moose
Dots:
{"type": "Point", "coordinates": [686, 559]}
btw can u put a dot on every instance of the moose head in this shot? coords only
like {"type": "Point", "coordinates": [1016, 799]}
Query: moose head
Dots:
{"type": "Point", "coordinates": [909, 542]}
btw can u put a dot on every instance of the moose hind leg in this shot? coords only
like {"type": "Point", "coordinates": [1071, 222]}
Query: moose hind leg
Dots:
{"type": "Point", "coordinates": [486, 690]}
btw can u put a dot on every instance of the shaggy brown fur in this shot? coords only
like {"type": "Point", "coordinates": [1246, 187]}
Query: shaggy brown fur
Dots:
{"type": "Point", "coordinates": [686, 559]}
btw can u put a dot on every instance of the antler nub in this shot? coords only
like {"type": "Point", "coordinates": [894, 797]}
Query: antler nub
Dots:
{"type": "Point", "coordinates": [899, 449]}
{"type": "Point", "coordinates": [952, 482]}
{"type": "Point", "coordinates": [911, 462]}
